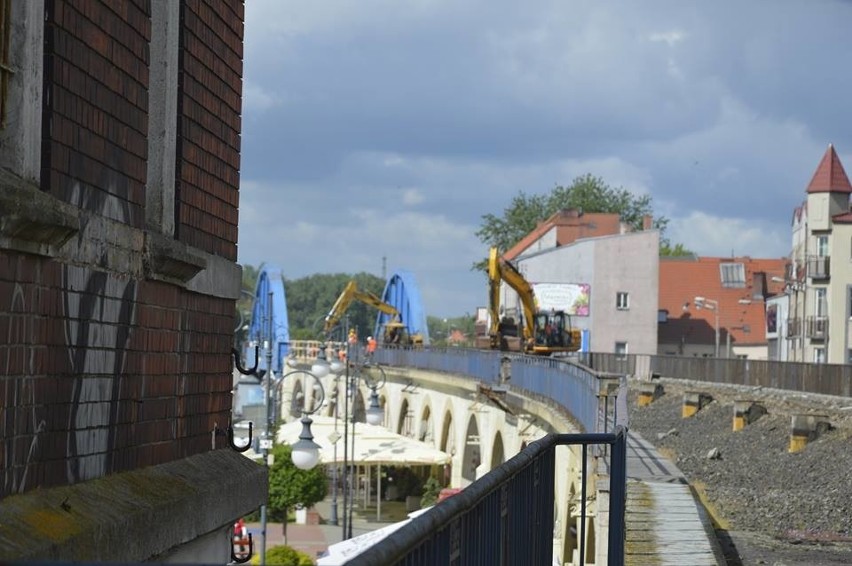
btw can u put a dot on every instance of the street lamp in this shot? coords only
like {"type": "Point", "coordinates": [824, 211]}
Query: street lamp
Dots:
{"type": "Point", "coordinates": [374, 415]}
{"type": "Point", "coordinates": [713, 305]}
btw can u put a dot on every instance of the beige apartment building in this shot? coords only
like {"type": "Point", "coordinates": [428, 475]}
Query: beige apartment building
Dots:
{"type": "Point", "coordinates": [818, 282]}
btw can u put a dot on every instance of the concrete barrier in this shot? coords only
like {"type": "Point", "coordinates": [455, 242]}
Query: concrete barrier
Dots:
{"type": "Point", "coordinates": [649, 392]}
{"type": "Point", "coordinates": [746, 412]}
{"type": "Point", "coordinates": [694, 401]}
{"type": "Point", "coordinates": [805, 428]}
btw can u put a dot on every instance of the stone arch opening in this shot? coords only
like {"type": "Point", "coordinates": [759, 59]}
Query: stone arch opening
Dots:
{"type": "Point", "coordinates": [472, 456]}
{"type": "Point", "coordinates": [425, 434]}
{"type": "Point", "coordinates": [498, 455]}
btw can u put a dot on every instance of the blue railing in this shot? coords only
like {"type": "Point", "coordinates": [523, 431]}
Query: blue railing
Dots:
{"type": "Point", "coordinates": [573, 386]}
{"type": "Point", "coordinates": [506, 517]}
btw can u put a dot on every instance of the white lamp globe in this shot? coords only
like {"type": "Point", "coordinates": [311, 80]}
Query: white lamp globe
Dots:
{"type": "Point", "coordinates": [320, 368]}
{"type": "Point", "coordinates": [305, 452]}
{"type": "Point", "coordinates": [374, 416]}
{"type": "Point", "coordinates": [336, 366]}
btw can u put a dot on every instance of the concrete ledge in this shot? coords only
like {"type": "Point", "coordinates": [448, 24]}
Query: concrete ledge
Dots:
{"type": "Point", "coordinates": [171, 261]}
{"type": "Point", "coordinates": [132, 516]}
{"type": "Point", "coordinates": [31, 220]}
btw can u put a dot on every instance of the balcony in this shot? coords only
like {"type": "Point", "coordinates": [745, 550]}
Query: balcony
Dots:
{"type": "Point", "coordinates": [816, 327]}
{"type": "Point", "coordinates": [819, 267]}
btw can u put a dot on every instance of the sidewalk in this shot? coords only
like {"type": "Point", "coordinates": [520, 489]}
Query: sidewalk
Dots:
{"type": "Point", "coordinates": [665, 525]}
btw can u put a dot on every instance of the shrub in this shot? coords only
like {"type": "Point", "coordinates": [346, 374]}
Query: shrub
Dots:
{"type": "Point", "coordinates": [283, 555]}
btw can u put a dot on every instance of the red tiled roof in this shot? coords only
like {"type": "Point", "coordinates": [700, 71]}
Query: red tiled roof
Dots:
{"type": "Point", "coordinates": [845, 218]}
{"type": "Point", "coordinates": [830, 176]}
{"type": "Point", "coordinates": [683, 279]}
{"type": "Point", "coordinates": [571, 225]}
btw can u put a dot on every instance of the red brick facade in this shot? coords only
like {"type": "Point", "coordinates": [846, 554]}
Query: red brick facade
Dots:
{"type": "Point", "coordinates": [95, 127]}
{"type": "Point", "coordinates": [105, 367]}
{"type": "Point", "coordinates": [209, 107]}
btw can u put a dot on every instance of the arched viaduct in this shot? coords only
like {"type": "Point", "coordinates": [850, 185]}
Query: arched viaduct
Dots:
{"type": "Point", "coordinates": [482, 408]}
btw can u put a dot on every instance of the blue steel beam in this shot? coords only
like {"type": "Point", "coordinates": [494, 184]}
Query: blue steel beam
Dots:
{"type": "Point", "coordinates": [402, 293]}
{"type": "Point", "coordinates": [270, 280]}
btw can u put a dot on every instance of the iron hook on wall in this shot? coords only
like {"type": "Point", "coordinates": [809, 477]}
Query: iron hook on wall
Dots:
{"type": "Point", "coordinates": [245, 557]}
{"type": "Point", "coordinates": [233, 444]}
{"type": "Point", "coordinates": [238, 361]}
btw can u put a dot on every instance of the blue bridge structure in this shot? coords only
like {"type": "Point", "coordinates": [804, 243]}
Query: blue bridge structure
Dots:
{"type": "Point", "coordinates": [269, 314]}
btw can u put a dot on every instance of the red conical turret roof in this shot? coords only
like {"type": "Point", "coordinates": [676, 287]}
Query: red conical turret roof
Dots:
{"type": "Point", "coordinates": [830, 176]}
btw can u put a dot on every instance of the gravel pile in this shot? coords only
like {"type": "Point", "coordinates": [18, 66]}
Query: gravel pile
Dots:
{"type": "Point", "coordinates": [751, 481]}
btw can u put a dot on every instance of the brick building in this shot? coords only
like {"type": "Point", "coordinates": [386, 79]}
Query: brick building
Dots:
{"type": "Point", "coordinates": [119, 187]}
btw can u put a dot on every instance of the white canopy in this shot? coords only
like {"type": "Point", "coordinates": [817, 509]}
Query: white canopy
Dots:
{"type": "Point", "coordinates": [373, 444]}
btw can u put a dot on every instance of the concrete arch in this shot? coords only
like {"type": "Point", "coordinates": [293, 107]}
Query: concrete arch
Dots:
{"type": "Point", "coordinates": [498, 455]}
{"type": "Point", "coordinates": [424, 430]}
{"type": "Point", "coordinates": [359, 413]}
{"type": "Point", "coordinates": [403, 424]}
{"type": "Point", "coordinates": [448, 443]}
{"type": "Point", "coordinates": [472, 457]}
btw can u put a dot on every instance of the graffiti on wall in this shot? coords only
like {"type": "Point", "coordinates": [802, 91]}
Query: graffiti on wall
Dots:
{"type": "Point", "coordinates": [19, 394]}
{"type": "Point", "coordinates": [99, 311]}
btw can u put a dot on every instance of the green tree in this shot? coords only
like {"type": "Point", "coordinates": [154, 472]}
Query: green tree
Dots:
{"type": "Point", "coordinates": [587, 193]}
{"type": "Point", "coordinates": [290, 486]}
{"type": "Point", "coordinates": [310, 298]}
{"type": "Point", "coordinates": [666, 249]}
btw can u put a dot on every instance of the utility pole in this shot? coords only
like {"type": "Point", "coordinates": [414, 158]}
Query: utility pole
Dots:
{"type": "Point", "coordinates": [264, 440]}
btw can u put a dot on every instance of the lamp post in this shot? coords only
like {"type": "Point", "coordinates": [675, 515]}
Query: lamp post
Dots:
{"type": "Point", "coordinates": [374, 415]}
{"type": "Point", "coordinates": [305, 452]}
{"type": "Point", "coordinates": [713, 305]}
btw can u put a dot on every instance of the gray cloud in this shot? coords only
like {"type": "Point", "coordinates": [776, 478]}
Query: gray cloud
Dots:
{"type": "Point", "coordinates": [384, 128]}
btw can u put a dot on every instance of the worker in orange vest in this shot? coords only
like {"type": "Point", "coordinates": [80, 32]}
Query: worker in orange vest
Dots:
{"type": "Point", "coordinates": [371, 345]}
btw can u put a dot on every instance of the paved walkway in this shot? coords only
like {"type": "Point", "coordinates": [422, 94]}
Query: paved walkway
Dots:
{"type": "Point", "coordinates": [665, 525]}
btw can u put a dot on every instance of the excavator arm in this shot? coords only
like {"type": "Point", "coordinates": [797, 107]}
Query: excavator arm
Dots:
{"type": "Point", "coordinates": [501, 270]}
{"type": "Point", "coordinates": [351, 293]}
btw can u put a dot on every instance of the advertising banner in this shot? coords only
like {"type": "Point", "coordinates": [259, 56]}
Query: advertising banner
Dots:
{"type": "Point", "coordinates": [572, 298]}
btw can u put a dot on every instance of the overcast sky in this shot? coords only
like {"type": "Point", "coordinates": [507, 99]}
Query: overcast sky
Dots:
{"type": "Point", "coordinates": [386, 128]}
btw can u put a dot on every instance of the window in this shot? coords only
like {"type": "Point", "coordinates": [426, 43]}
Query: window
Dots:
{"type": "Point", "coordinates": [819, 355]}
{"type": "Point", "coordinates": [621, 350]}
{"type": "Point", "coordinates": [821, 305]}
{"type": "Point", "coordinates": [622, 301]}
{"type": "Point", "coordinates": [732, 274]}
{"type": "Point", "coordinates": [822, 246]}
{"type": "Point", "coordinates": [849, 302]}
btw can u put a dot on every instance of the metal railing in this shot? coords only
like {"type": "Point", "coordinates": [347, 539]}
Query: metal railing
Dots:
{"type": "Point", "coordinates": [506, 517]}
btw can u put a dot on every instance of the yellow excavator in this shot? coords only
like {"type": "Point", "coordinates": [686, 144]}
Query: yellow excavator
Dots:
{"type": "Point", "coordinates": [394, 331]}
{"type": "Point", "coordinates": [544, 332]}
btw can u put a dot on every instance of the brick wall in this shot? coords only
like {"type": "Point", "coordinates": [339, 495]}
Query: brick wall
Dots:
{"type": "Point", "coordinates": [209, 107]}
{"type": "Point", "coordinates": [101, 373]}
{"type": "Point", "coordinates": [106, 363]}
{"type": "Point", "coordinates": [94, 145]}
